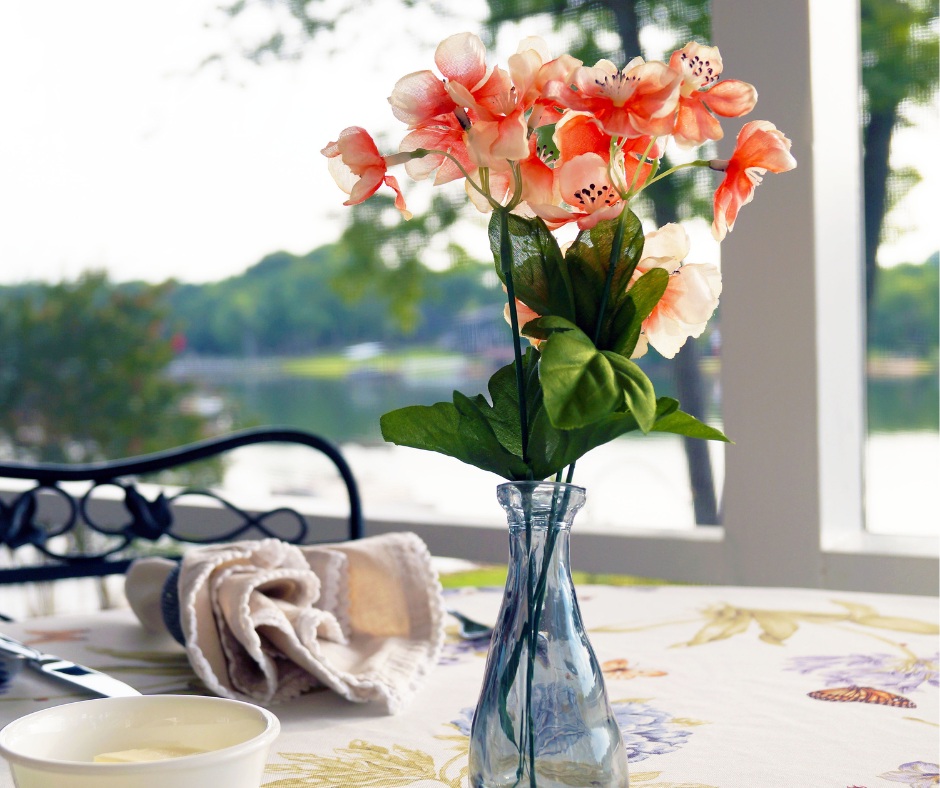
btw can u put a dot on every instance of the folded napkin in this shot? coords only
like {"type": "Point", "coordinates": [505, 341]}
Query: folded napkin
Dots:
{"type": "Point", "coordinates": [264, 621]}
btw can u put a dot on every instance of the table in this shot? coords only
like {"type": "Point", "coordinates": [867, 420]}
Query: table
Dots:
{"type": "Point", "coordinates": [715, 687]}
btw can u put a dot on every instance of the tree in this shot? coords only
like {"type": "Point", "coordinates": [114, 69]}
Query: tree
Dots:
{"type": "Point", "coordinates": [899, 65]}
{"type": "Point", "coordinates": [904, 320]}
{"type": "Point", "coordinates": [82, 372]}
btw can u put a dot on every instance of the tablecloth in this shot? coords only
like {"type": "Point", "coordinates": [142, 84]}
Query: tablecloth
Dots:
{"type": "Point", "coordinates": [714, 687]}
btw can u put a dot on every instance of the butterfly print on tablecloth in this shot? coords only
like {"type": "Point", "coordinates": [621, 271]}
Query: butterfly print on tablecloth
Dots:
{"type": "Point", "coordinates": [855, 694]}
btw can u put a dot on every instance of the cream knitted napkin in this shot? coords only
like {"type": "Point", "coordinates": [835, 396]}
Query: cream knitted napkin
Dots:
{"type": "Point", "coordinates": [264, 621]}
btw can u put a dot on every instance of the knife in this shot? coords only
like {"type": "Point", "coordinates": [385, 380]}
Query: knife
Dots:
{"type": "Point", "coordinates": [49, 665]}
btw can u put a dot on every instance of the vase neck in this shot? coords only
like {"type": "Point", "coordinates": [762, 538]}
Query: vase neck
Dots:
{"type": "Point", "coordinates": [539, 550]}
{"type": "Point", "coordinates": [539, 517]}
{"type": "Point", "coordinates": [540, 505]}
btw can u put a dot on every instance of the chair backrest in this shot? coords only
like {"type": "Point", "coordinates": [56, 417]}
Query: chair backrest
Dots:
{"type": "Point", "coordinates": [143, 520]}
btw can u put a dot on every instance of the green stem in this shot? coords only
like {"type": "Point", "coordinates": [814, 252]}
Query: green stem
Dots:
{"type": "Point", "coordinates": [611, 267]}
{"type": "Point", "coordinates": [639, 166]}
{"type": "Point", "coordinates": [530, 661]}
{"type": "Point", "coordinates": [536, 604]}
{"type": "Point", "coordinates": [505, 261]}
{"type": "Point", "coordinates": [670, 171]}
{"type": "Point", "coordinates": [482, 188]}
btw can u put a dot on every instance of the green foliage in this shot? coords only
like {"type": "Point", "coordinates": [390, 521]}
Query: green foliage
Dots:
{"type": "Point", "coordinates": [579, 393]}
{"type": "Point", "coordinates": [538, 270]}
{"type": "Point", "coordinates": [82, 372]}
{"type": "Point", "coordinates": [904, 319]}
{"type": "Point", "coordinates": [283, 304]}
{"type": "Point", "coordinates": [290, 305]}
{"type": "Point", "coordinates": [583, 384]}
{"type": "Point", "coordinates": [381, 255]}
{"type": "Point", "coordinates": [899, 52]}
{"type": "Point", "coordinates": [487, 434]}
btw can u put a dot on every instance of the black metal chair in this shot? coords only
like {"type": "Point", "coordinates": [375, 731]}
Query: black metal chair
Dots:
{"type": "Point", "coordinates": [143, 521]}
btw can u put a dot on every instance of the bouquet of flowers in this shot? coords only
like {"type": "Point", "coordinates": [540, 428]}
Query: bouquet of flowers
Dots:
{"type": "Point", "coordinates": [548, 143]}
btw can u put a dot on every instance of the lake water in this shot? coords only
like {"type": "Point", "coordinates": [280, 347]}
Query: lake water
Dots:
{"type": "Point", "coordinates": [902, 454]}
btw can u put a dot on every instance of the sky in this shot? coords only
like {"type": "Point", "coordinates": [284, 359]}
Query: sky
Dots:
{"type": "Point", "coordinates": [118, 152]}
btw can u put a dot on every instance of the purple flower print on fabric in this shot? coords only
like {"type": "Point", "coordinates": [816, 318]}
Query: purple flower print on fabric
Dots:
{"type": "Point", "coordinates": [647, 731]}
{"type": "Point", "coordinates": [897, 672]}
{"type": "Point", "coordinates": [917, 774]}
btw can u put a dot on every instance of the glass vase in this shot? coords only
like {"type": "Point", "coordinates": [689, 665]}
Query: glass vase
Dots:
{"type": "Point", "coordinates": [543, 718]}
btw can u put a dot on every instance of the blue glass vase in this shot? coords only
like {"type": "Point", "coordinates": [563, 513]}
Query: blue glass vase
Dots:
{"type": "Point", "coordinates": [543, 718]}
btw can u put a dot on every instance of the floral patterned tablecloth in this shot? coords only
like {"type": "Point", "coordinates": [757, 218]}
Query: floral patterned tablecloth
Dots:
{"type": "Point", "coordinates": [721, 687]}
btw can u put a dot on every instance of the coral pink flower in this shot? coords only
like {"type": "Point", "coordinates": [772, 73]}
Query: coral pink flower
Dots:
{"type": "Point", "coordinates": [538, 184]}
{"type": "Point", "coordinates": [533, 70]}
{"type": "Point", "coordinates": [760, 147]}
{"type": "Point", "coordinates": [359, 169]}
{"type": "Point", "coordinates": [461, 59]}
{"type": "Point", "coordinates": [691, 295]}
{"type": "Point", "coordinates": [584, 184]}
{"type": "Point", "coordinates": [492, 143]}
{"type": "Point", "coordinates": [639, 100]}
{"type": "Point", "coordinates": [701, 95]}
{"type": "Point", "coordinates": [538, 179]}
{"type": "Point", "coordinates": [419, 97]}
{"type": "Point", "coordinates": [577, 133]}
{"type": "Point", "coordinates": [475, 114]}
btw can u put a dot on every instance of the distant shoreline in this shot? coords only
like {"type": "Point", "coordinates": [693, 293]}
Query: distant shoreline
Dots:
{"type": "Point", "coordinates": [190, 367]}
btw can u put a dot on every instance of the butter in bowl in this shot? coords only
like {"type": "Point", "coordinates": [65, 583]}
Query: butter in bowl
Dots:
{"type": "Point", "coordinates": [149, 741]}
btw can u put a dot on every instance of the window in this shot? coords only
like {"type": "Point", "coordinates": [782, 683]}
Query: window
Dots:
{"type": "Point", "coordinates": [791, 489]}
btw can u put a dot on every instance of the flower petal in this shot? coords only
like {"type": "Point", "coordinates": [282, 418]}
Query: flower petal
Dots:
{"type": "Point", "coordinates": [418, 97]}
{"type": "Point", "coordinates": [731, 98]}
{"type": "Point", "coordinates": [462, 58]}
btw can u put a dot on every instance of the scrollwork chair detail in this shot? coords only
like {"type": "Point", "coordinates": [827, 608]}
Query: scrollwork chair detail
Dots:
{"type": "Point", "coordinates": [144, 520]}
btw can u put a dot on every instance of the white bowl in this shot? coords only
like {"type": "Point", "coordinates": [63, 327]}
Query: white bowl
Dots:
{"type": "Point", "coordinates": [56, 747]}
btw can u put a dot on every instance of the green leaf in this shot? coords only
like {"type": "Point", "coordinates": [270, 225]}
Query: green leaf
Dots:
{"type": "Point", "coordinates": [670, 419]}
{"type": "Point", "coordinates": [665, 406]}
{"type": "Point", "coordinates": [583, 385]}
{"type": "Point", "coordinates": [641, 299]}
{"type": "Point", "coordinates": [471, 429]}
{"type": "Point", "coordinates": [460, 429]}
{"type": "Point", "coordinates": [588, 285]}
{"type": "Point", "coordinates": [588, 261]}
{"type": "Point", "coordinates": [504, 414]}
{"type": "Point", "coordinates": [579, 383]}
{"type": "Point", "coordinates": [538, 268]}
{"type": "Point", "coordinates": [636, 387]}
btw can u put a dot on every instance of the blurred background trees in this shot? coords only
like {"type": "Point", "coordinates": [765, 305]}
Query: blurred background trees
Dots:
{"type": "Point", "coordinates": [82, 372]}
